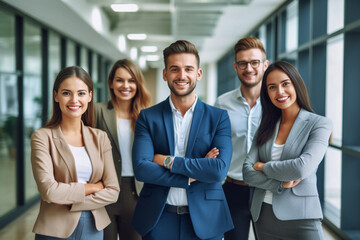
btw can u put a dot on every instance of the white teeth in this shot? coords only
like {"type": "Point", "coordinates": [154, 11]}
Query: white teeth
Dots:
{"type": "Point", "coordinates": [126, 92]}
{"type": "Point", "coordinates": [282, 99]}
{"type": "Point", "coordinates": [182, 84]}
{"type": "Point", "coordinates": [74, 108]}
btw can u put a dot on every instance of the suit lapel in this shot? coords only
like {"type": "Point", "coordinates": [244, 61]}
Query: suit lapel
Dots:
{"type": "Point", "coordinates": [169, 126]}
{"type": "Point", "coordinates": [296, 129]}
{"type": "Point", "coordinates": [195, 125]}
{"type": "Point", "coordinates": [269, 144]}
{"type": "Point", "coordinates": [111, 124]}
{"type": "Point", "coordinates": [65, 152]}
{"type": "Point", "coordinates": [92, 151]}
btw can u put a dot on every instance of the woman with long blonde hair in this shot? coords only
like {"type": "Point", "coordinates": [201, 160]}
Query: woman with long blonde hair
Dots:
{"type": "Point", "coordinates": [117, 117]}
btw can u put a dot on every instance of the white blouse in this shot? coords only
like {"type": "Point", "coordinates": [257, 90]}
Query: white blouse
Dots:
{"type": "Point", "coordinates": [82, 163]}
{"type": "Point", "coordinates": [275, 156]}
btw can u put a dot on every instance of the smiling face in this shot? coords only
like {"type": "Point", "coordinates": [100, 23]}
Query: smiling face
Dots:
{"type": "Point", "coordinates": [73, 97]}
{"type": "Point", "coordinates": [250, 76]}
{"type": "Point", "coordinates": [281, 90]}
{"type": "Point", "coordinates": [182, 73]}
{"type": "Point", "coordinates": [124, 85]}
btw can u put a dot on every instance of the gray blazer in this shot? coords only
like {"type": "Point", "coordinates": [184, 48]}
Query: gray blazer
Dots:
{"type": "Point", "coordinates": [303, 151]}
{"type": "Point", "coordinates": [105, 119]}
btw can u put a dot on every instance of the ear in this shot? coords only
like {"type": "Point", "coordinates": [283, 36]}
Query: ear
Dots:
{"type": "Point", "coordinates": [199, 74]}
{"type": "Point", "coordinates": [266, 64]}
{"type": "Point", "coordinates": [164, 75]}
{"type": "Point", "coordinates": [56, 97]}
{"type": "Point", "coordinates": [90, 96]}
{"type": "Point", "coordinates": [235, 67]}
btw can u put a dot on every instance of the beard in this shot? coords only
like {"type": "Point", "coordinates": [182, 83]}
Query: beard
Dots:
{"type": "Point", "coordinates": [176, 93]}
{"type": "Point", "coordinates": [250, 85]}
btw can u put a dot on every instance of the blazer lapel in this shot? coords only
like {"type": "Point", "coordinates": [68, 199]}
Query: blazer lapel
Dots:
{"type": "Point", "coordinates": [169, 126]}
{"type": "Point", "coordinates": [296, 129]}
{"type": "Point", "coordinates": [195, 125]}
{"type": "Point", "coordinates": [111, 124]}
{"type": "Point", "coordinates": [65, 152]}
{"type": "Point", "coordinates": [92, 151]}
{"type": "Point", "coordinates": [269, 144]}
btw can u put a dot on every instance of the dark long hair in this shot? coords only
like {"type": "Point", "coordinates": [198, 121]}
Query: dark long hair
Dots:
{"type": "Point", "coordinates": [270, 113]}
{"type": "Point", "coordinates": [141, 99]}
{"type": "Point", "coordinates": [78, 72]}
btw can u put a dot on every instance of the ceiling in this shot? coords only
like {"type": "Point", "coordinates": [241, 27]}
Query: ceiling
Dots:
{"type": "Point", "coordinates": [212, 25]}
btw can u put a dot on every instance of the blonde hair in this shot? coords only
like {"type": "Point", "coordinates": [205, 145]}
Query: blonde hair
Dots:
{"type": "Point", "coordinates": [142, 96]}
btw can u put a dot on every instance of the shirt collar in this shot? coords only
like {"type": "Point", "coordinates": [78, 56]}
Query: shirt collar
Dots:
{"type": "Point", "coordinates": [190, 109]}
{"type": "Point", "coordinates": [240, 96]}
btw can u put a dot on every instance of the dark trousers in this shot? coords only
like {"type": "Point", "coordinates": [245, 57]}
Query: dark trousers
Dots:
{"type": "Point", "coordinates": [121, 213]}
{"type": "Point", "coordinates": [239, 200]}
{"type": "Point", "coordinates": [172, 226]}
{"type": "Point", "coordinates": [268, 227]}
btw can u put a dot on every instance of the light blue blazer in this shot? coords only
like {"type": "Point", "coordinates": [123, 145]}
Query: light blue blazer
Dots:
{"type": "Point", "coordinates": [303, 151]}
{"type": "Point", "coordinates": [154, 133]}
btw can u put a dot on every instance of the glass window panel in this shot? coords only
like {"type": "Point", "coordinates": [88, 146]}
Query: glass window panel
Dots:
{"type": "Point", "coordinates": [332, 204]}
{"type": "Point", "coordinates": [94, 75]}
{"type": "Point", "coordinates": [70, 53]}
{"type": "Point", "coordinates": [8, 113]}
{"type": "Point", "coordinates": [262, 35]}
{"type": "Point", "coordinates": [335, 15]}
{"type": "Point", "coordinates": [292, 18]}
{"type": "Point", "coordinates": [84, 59]}
{"type": "Point", "coordinates": [54, 64]}
{"type": "Point", "coordinates": [32, 97]}
{"type": "Point", "coordinates": [334, 85]}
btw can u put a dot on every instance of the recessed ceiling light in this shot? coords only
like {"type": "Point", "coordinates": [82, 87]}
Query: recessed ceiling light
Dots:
{"type": "Point", "coordinates": [124, 7]}
{"type": "Point", "coordinates": [152, 58]}
{"type": "Point", "coordinates": [149, 48]}
{"type": "Point", "coordinates": [137, 36]}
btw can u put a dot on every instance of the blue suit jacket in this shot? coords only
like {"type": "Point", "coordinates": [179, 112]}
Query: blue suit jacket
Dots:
{"type": "Point", "coordinates": [154, 133]}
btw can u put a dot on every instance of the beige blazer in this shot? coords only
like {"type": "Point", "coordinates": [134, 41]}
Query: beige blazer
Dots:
{"type": "Point", "coordinates": [105, 119]}
{"type": "Point", "coordinates": [62, 197]}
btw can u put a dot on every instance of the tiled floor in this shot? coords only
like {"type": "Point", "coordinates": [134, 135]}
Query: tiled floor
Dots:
{"type": "Point", "coordinates": [21, 229]}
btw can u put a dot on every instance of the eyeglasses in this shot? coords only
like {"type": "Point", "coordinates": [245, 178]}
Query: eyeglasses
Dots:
{"type": "Point", "coordinates": [254, 64]}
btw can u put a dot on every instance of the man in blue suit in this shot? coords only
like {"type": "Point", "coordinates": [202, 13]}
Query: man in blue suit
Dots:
{"type": "Point", "coordinates": [182, 150]}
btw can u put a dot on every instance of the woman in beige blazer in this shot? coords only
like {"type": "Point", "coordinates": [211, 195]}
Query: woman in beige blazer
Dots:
{"type": "Point", "coordinates": [290, 143]}
{"type": "Point", "coordinates": [117, 118]}
{"type": "Point", "coordinates": [72, 164]}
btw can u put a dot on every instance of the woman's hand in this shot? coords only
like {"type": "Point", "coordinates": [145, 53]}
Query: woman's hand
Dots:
{"type": "Point", "coordinates": [91, 188]}
{"type": "Point", "coordinates": [258, 166]}
{"type": "Point", "coordinates": [291, 184]}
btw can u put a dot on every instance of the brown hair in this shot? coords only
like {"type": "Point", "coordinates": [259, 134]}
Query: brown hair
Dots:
{"type": "Point", "coordinates": [78, 72]}
{"type": "Point", "coordinates": [141, 99]}
{"type": "Point", "coordinates": [270, 113]}
{"type": "Point", "coordinates": [181, 46]}
{"type": "Point", "coordinates": [248, 43]}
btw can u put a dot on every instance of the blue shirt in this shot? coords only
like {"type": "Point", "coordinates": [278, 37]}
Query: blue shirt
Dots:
{"type": "Point", "coordinates": [244, 124]}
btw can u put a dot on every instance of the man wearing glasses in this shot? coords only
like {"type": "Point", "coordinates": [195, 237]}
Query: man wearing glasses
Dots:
{"type": "Point", "coordinates": [244, 108]}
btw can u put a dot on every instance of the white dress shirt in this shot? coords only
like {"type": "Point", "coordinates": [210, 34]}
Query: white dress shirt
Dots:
{"type": "Point", "coordinates": [244, 124]}
{"type": "Point", "coordinates": [182, 125]}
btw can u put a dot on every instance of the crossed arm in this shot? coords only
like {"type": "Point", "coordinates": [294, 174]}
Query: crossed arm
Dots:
{"type": "Point", "coordinates": [289, 172]}
{"type": "Point", "coordinates": [79, 196]}
{"type": "Point", "coordinates": [148, 165]}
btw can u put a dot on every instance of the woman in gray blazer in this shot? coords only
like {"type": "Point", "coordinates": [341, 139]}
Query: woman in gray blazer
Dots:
{"type": "Point", "coordinates": [117, 118]}
{"type": "Point", "coordinates": [290, 144]}
{"type": "Point", "coordinates": [72, 164]}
